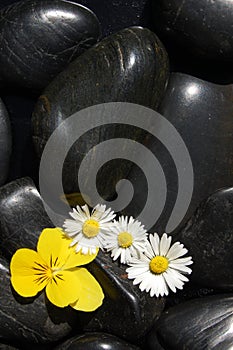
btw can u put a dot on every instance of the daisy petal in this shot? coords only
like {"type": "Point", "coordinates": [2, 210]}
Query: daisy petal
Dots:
{"type": "Point", "coordinates": [164, 245]}
{"type": "Point", "coordinates": [180, 267]}
{"type": "Point", "coordinates": [154, 241]}
{"type": "Point", "coordinates": [177, 250]}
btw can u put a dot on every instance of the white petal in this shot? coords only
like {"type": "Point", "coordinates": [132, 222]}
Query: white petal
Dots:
{"type": "Point", "coordinates": [86, 211]}
{"type": "Point", "coordinates": [179, 267]}
{"type": "Point", "coordinates": [184, 261]}
{"type": "Point", "coordinates": [149, 251]}
{"type": "Point", "coordinates": [158, 286]}
{"type": "Point", "coordinates": [178, 275]}
{"type": "Point", "coordinates": [164, 245]}
{"type": "Point", "coordinates": [116, 255]}
{"type": "Point", "coordinates": [176, 251]}
{"type": "Point", "coordinates": [172, 281]}
{"type": "Point", "coordinates": [154, 240]}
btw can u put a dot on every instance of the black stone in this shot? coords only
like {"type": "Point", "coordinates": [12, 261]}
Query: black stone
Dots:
{"type": "Point", "coordinates": [152, 341]}
{"type": "Point", "coordinates": [202, 114]}
{"type": "Point", "coordinates": [204, 323]}
{"type": "Point", "coordinates": [202, 27]}
{"type": "Point", "coordinates": [126, 311]}
{"type": "Point", "coordinates": [115, 15]}
{"type": "Point", "coordinates": [209, 237]}
{"type": "Point", "coordinates": [96, 341]}
{"type": "Point", "coordinates": [129, 66]}
{"type": "Point", "coordinates": [38, 40]}
{"type": "Point", "coordinates": [5, 143]}
{"type": "Point", "coordinates": [22, 216]}
{"type": "Point", "coordinates": [30, 320]}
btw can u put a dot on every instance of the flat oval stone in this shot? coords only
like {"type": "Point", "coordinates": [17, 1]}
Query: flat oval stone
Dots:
{"type": "Point", "coordinates": [204, 323]}
{"type": "Point", "coordinates": [202, 27]}
{"type": "Point", "coordinates": [29, 321]}
{"type": "Point", "coordinates": [96, 341]}
{"type": "Point", "coordinates": [129, 66]}
{"type": "Point", "coordinates": [38, 40]}
{"type": "Point", "coordinates": [5, 143]}
{"type": "Point", "coordinates": [208, 236]}
{"type": "Point", "coordinates": [23, 216]}
{"type": "Point", "coordinates": [202, 114]}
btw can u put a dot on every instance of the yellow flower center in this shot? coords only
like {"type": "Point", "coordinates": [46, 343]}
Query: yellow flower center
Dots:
{"type": "Point", "coordinates": [91, 228]}
{"type": "Point", "coordinates": [158, 264]}
{"type": "Point", "coordinates": [125, 239]}
{"type": "Point", "coordinates": [46, 273]}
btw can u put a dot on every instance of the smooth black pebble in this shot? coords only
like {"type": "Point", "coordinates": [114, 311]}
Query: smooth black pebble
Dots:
{"type": "Point", "coordinates": [129, 66]}
{"type": "Point", "coordinates": [204, 323]}
{"type": "Point", "coordinates": [38, 39]}
{"type": "Point", "coordinates": [126, 312]}
{"type": "Point", "coordinates": [96, 341]}
{"type": "Point", "coordinates": [202, 27]}
{"type": "Point", "coordinates": [202, 114]}
{"type": "Point", "coordinates": [209, 237]}
{"type": "Point", "coordinates": [23, 216]}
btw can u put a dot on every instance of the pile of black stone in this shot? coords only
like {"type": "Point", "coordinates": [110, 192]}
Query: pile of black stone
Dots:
{"type": "Point", "coordinates": [58, 57]}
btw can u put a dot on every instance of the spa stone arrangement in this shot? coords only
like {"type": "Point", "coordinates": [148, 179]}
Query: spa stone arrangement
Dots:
{"type": "Point", "coordinates": [58, 57]}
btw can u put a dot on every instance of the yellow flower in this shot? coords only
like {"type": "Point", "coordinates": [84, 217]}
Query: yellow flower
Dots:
{"type": "Point", "coordinates": [55, 267]}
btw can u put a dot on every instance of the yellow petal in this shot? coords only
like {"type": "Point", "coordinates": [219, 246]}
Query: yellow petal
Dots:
{"type": "Point", "coordinates": [78, 259]}
{"type": "Point", "coordinates": [91, 295]}
{"type": "Point", "coordinates": [63, 289]}
{"type": "Point", "coordinates": [27, 269]}
{"type": "Point", "coordinates": [54, 247]}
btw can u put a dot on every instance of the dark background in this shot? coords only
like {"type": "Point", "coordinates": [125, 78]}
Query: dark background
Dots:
{"type": "Point", "coordinates": [113, 16]}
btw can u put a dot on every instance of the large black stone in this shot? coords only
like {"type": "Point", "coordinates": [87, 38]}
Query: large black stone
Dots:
{"type": "Point", "coordinates": [202, 113]}
{"type": "Point", "coordinates": [129, 66]}
{"type": "Point", "coordinates": [38, 39]}
{"type": "Point", "coordinates": [22, 216]}
{"type": "Point", "coordinates": [30, 320]}
{"type": "Point", "coordinates": [5, 143]}
{"type": "Point", "coordinates": [209, 237]}
{"type": "Point", "coordinates": [204, 323]}
{"type": "Point", "coordinates": [96, 341]}
{"type": "Point", "coordinates": [126, 311]}
{"type": "Point", "coordinates": [202, 27]}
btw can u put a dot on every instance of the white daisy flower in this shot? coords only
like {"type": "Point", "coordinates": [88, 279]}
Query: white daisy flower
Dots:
{"type": "Point", "coordinates": [126, 239]}
{"type": "Point", "coordinates": [88, 229]}
{"type": "Point", "coordinates": [160, 267]}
